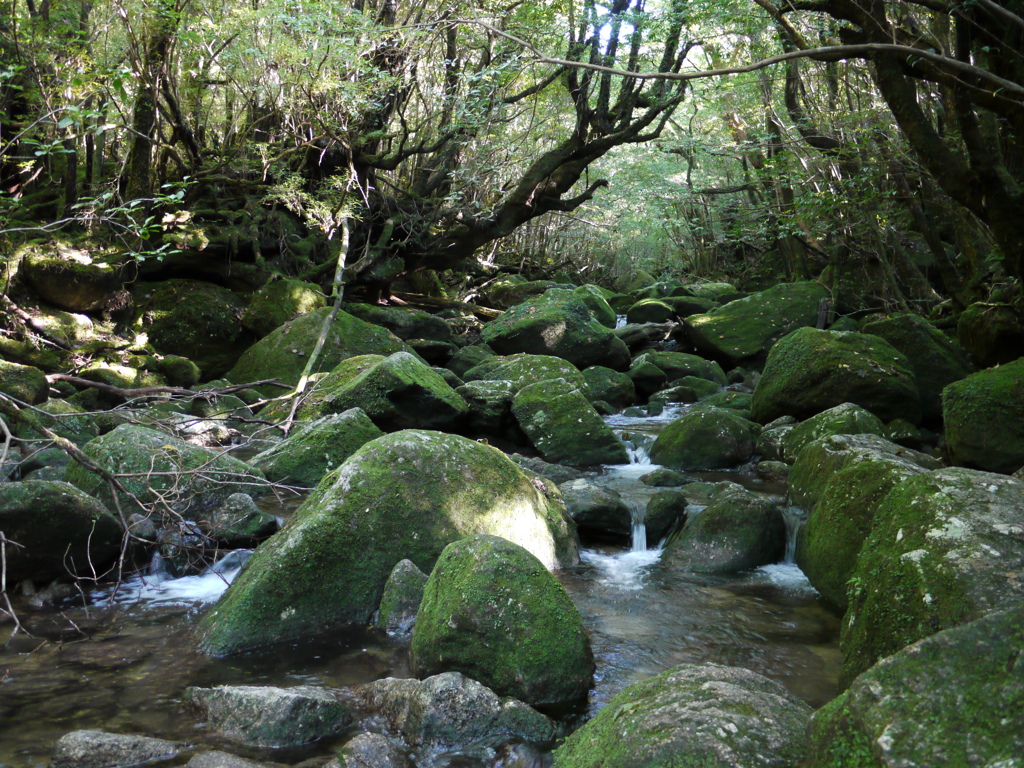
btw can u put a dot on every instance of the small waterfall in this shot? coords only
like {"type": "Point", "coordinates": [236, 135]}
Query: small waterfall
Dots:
{"type": "Point", "coordinates": [637, 513]}
{"type": "Point", "coordinates": [795, 517]}
{"type": "Point", "coordinates": [620, 321]}
{"type": "Point", "coordinates": [638, 447]}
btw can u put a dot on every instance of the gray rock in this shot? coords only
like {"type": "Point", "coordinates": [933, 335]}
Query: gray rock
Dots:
{"type": "Point", "coordinates": [595, 509]}
{"type": "Point", "coordinates": [217, 759]}
{"type": "Point", "coordinates": [665, 478]}
{"type": "Point", "coordinates": [490, 405]}
{"type": "Point", "coordinates": [557, 473]}
{"type": "Point", "coordinates": [238, 522]}
{"type": "Point", "coordinates": [844, 419]}
{"type": "Point", "coordinates": [666, 511]}
{"type": "Point", "coordinates": [370, 750]}
{"type": "Point", "coordinates": [270, 717]}
{"type": "Point", "coordinates": [402, 596]}
{"type": "Point", "coordinates": [451, 709]}
{"type": "Point", "coordinates": [98, 749]}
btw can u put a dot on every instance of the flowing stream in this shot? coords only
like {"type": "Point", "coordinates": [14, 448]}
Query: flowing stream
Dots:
{"type": "Point", "coordinates": [129, 674]}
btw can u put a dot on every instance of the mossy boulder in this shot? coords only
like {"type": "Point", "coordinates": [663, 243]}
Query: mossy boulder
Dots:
{"type": "Point", "coordinates": [564, 427]}
{"type": "Point", "coordinates": [829, 542]}
{"type": "Point", "coordinates": [468, 358]}
{"type": "Point", "coordinates": [934, 359]}
{"type": "Point", "coordinates": [179, 371]}
{"type": "Point", "coordinates": [404, 495]}
{"type": "Point", "coordinates": [610, 386]}
{"type": "Point", "coordinates": [401, 600]}
{"type": "Point", "coordinates": [596, 300]}
{"type": "Point", "coordinates": [597, 511]}
{"type": "Point", "coordinates": [991, 333]}
{"type": "Point", "coordinates": [984, 417]}
{"type": "Point", "coordinates": [699, 715]}
{"type": "Point", "coordinates": [194, 319]}
{"type": "Point", "coordinates": [705, 438]}
{"type": "Point", "coordinates": [61, 532]}
{"type": "Point", "coordinates": [844, 419]}
{"type": "Point", "coordinates": [946, 548]}
{"type": "Point", "coordinates": [70, 277]}
{"type": "Point", "coordinates": [954, 698]}
{"type": "Point", "coordinates": [718, 291]}
{"type": "Point", "coordinates": [650, 311]}
{"type": "Point", "coordinates": [490, 407]}
{"type": "Point", "coordinates": [678, 365]}
{"type": "Point", "coordinates": [283, 353]}
{"type": "Point", "coordinates": [731, 400]}
{"type": "Point", "coordinates": [492, 611]}
{"type": "Point", "coordinates": [405, 322]}
{"type": "Point", "coordinates": [743, 331]}
{"type": "Point", "coordinates": [23, 382]}
{"type": "Point", "coordinates": [163, 472]}
{"type": "Point", "coordinates": [523, 370]}
{"type": "Point", "coordinates": [510, 290]}
{"type": "Point", "coordinates": [239, 522]}
{"type": "Point", "coordinates": [665, 513]}
{"type": "Point", "coordinates": [689, 389]}
{"type": "Point", "coordinates": [62, 418]}
{"type": "Point", "coordinates": [279, 301]}
{"type": "Point", "coordinates": [684, 306]}
{"type": "Point", "coordinates": [647, 378]}
{"type": "Point", "coordinates": [556, 323]}
{"type": "Point", "coordinates": [737, 531]}
{"type": "Point", "coordinates": [810, 371]}
{"type": "Point", "coordinates": [367, 750]}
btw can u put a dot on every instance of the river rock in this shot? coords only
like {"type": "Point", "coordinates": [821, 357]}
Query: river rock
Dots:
{"type": "Point", "coordinates": [946, 548]}
{"type": "Point", "coordinates": [468, 358]}
{"type": "Point", "coordinates": [991, 333]}
{"type": "Point", "coordinates": [737, 531]}
{"type": "Point", "coordinates": [650, 311]}
{"type": "Point", "coordinates": [168, 473]}
{"type": "Point", "coordinates": [954, 698]}
{"type": "Point", "coordinates": [693, 715]}
{"type": "Point", "coordinates": [270, 717]}
{"type": "Point", "coordinates": [405, 322]}
{"type": "Point", "coordinates": [450, 709]}
{"type": "Point", "coordinates": [279, 300]}
{"type": "Point", "coordinates": [57, 531]}
{"type": "Point", "coordinates": [403, 594]}
{"type": "Point", "coordinates": [98, 749]}
{"type": "Point", "coordinates": [810, 371]}
{"type": "Point", "coordinates": [733, 400]}
{"type": "Point", "coordinates": [556, 473]}
{"type": "Point", "coordinates": [934, 359]}
{"type": "Point", "coordinates": [770, 440]}
{"type": "Point", "coordinates": [564, 427]}
{"type": "Point", "coordinates": [719, 291]}
{"type": "Point", "coordinates": [370, 750]}
{"type": "Point", "coordinates": [844, 419]}
{"type": "Point", "coordinates": [72, 278]}
{"type": "Point", "coordinates": [678, 365]}
{"type": "Point", "coordinates": [984, 417]}
{"type": "Point", "coordinates": [705, 438]}
{"type": "Point", "coordinates": [665, 512]}
{"type": "Point", "coordinates": [664, 478]}
{"type": "Point", "coordinates": [509, 290]}
{"type": "Point", "coordinates": [647, 378]}
{"type": "Point", "coordinates": [596, 299]}
{"type": "Point", "coordinates": [611, 386]}
{"type": "Point", "coordinates": [743, 331]}
{"type": "Point", "coordinates": [688, 389]}
{"type": "Point", "coordinates": [556, 323]}
{"type": "Point", "coordinates": [490, 407]}
{"type": "Point", "coordinates": [493, 612]}
{"type": "Point", "coordinates": [282, 354]}
{"type": "Point", "coordinates": [524, 370]}
{"type": "Point", "coordinates": [239, 522]}
{"type": "Point", "coordinates": [218, 759]}
{"type": "Point", "coordinates": [317, 447]}
{"type": "Point", "coordinates": [596, 510]}
{"type": "Point", "coordinates": [404, 495]}
{"type": "Point", "coordinates": [23, 382]}
{"type": "Point", "coordinates": [62, 418]}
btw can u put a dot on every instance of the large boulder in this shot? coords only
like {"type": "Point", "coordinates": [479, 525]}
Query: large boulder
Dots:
{"type": "Point", "coordinates": [705, 438]}
{"type": "Point", "coordinates": [23, 382]}
{"type": "Point", "coordinates": [59, 531]}
{"type": "Point", "coordinates": [62, 418]}
{"type": "Point", "coordinates": [492, 611]}
{"type": "Point", "coordinates": [610, 386]}
{"type": "Point", "coordinates": [810, 371]}
{"type": "Point", "coordinates": [468, 358]}
{"type": "Point", "coordinates": [510, 290]}
{"type": "Point", "coordinates": [737, 531]}
{"type": "Point", "coordinates": [650, 311]}
{"type": "Point", "coordinates": [405, 322]}
{"type": "Point", "coordinates": [556, 323]}
{"type": "Point", "coordinates": [162, 473]}
{"type": "Point", "coordinates": [450, 710]}
{"type": "Point", "coordinates": [596, 510]}
{"type": "Point", "coordinates": [954, 698]}
{"type": "Point", "coordinates": [946, 548]}
{"type": "Point", "coordinates": [702, 715]}
{"type": "Point", "coordinates": [844, 419]}
{"type": "Point", "coordinates": [679, 365]}
{"type": "Point", "coordinates": [596, 299]}
{"type": "Point", "coordinates": [742, 331]}
{"type": "Point", "coordinates": [73, 278]}
{"type": "Point", "coordinates": [282, 354]}
{"type": "Point", "coordinates": [316, 447]}
{"type": "Point", "coordinates": [933, 358]}
{"type": "Point", "coordinates": [490, 408]}
{"type": "Point", "coordinates": [564, 427]}
{"type": "Point", "coordinates": [991, 333]}
{"type": "Point", "coordinates": [984, 417]}
{"type": "Point", "coordinates": [405, 495]}
{"type": "Point", "coordinates": [522, 370]}
{"type": "Point", "coordinates": [279, 301]}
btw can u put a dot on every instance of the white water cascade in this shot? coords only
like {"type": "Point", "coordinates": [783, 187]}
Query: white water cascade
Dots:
{"type": "Point", "coordinates": [637, 513]}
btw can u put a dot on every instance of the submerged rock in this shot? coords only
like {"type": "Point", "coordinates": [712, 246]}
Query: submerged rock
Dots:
{"type": "Point", "coordinates": [984, 416]}
{"type": "Point", "coordinates": [404, 495]}
{"type": "Point", "coordinates": [98, 749]}
{"type": "Point", "coordinates": [492, 611]}
{"type": "Point", "coordinates": [693, 715]}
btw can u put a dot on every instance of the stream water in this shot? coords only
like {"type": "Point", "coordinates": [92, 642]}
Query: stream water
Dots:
{"type": "Point", "coordinates": [130, 671]}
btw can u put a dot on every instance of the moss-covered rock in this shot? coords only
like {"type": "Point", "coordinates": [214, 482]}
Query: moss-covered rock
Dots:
{"type": "Point", "coordinates": [596, 300]}
{"type": "Point", "coordinates": [731, 400]}
{"type": "Point", "coordinates": [844, 419]}
{"type": "Point", "coordinates": [689, 389]}
{"type": "Point", "coordinates": [991, 333]}
{"type": "Point", "coordinates": [23, 382]}
{"type": "Point", "coordinates": [933, 358]}
{"type": "Point", "coordinates": [492, 611]}
{"type": "Point", "coordinates": [743, 331]}
{"type": "Point", "coordinates": [984, 417]}
{"type": "Point", "coordinates": [404, 495]}
{"type": "Point", "coordinates": [693, 715]}
{"type": "Point", "coordinates": [829, 542]}
{"type": "Point", "coordinates": [401, 600]}
{"type": "Point", "coordinates": [810, 371]}
{"type": "Point", "coordinates": [737, 531]}
{"type": "Point", "coordinates": [239, 522]}
{"type": "Point", "coordinates": [179, 371]}
{"type": "Point", "coordinates": [719, 291]}
{"type": "Point", "coordinates": [647, 378]}
{"type": "Point", "coordinates": [684, 306]}
{"type": "Point", "coordinates": [678, 365]}
{"type": "Point", "coordinates": [705, 438]}
{"type": "Point", "coordinates": [163, 472]}
{"type": "Point", "coordinates": [405, 322]}
{"type": "Point", "coordinates": [946, 548]}
{"type": "Point", "coordinates": [63, 419]}
{"type": "Point", "coordinates": [70, 277]}
{"type": "Point", "coordinates": [556, 323]}
{"type": "Point", "coordinates": [953, 699]}
{"type": "Point", "coordinates": [61, 531]}
{"type": "Point", "coordinates": [664, 514]}
{"type": "Point", "coordinates": [490, 408]}
{"type": "Point", "coordinates": [523, 370]}
{"type": "Point", "coordinates": [564, 427]}
{"type": "Point", "coordinates": [468, 358]}
{"type": "Point", "coordinates": [283, 353]}
{"type": "Point", "coordinates": [367, 750]}
{"type": "Point", "coordinates": [650, 311]}
{"type": "Point", "coordinates": [510, 290]}
{"type": "Point", "coordinates": [664, 478]}
{"type": "Point", "coordinates": [597, 511]}
{"type": "Point", "coordinates": [610, 386]}
{"type": "Point", "coordinates": [279, 301]}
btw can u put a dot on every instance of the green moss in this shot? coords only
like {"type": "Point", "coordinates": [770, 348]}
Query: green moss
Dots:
{"type": "Point", "coordinates": [705, 438]}
{"type": "Point", "coordinates": [678, 365]}
{"type": "Point", "coordinates": [523, 370]}
{"type": "Point", "coordinates": [844, 419]}
{"type": "Point", "coordinates": [23, 382]}
{"type": "Point", "coordinates": [279, 301]}
{"type": "Point", "coordinates": [984, 417]}
{"type": "Point", "coordinates": [611, 386]}
{"type": "Point", "coordinates": [650, 311]}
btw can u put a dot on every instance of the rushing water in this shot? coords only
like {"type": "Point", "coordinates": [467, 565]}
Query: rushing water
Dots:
{"type": "Point", "coordinates": [122, 661]}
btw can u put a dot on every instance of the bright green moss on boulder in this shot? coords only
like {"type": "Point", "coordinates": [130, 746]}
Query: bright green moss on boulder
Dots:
{"type": "Point", "coordinates": [810, 371]}
{"type": "Point", "coordinates": [279, 301]}
{"type": "Point", "coordinates": [991, 333]}
{"type": "Point", "coordinates": [984, 417]}
{"type": "Point", "coordinates": [404, 322]}
{"type": "Point", "coordinates": [596, 300]}
{"type": "Point", "coordinates": [845, 419]}
{"type": "Point", "coordinates": [492, 611]}
{"type": "Point", "coordinates": [282, 354]}
{"type": "Point", "coordinates": [523, 370]}
{"type": "Point", "coordinates": [405, 495]}
{"type": "Point", "coordinates": [693, 716]}
{"type": "Point", "coordinates": [678, 365]}
{"type": "Point", "coordinates": [946, 548]}
{"type": "Point", "coordinates": [468, 358]}
{"type": "Point", "coordinates": [611, 386]}
{"type": "Point", "coordinates": [705, 438]}
{"type": "Point", "coordinates": [402, 596]}
{"type": "Point", "coordinates": [745, 329]}
{"type": "Point", "coordinates": [688, 389]}
{"type": "Point", "coordinates": [953, 699]}
{"type": "Point", "coordinates": [23, 382]}
{"type": "Point", "coordinates": [650, 311]}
